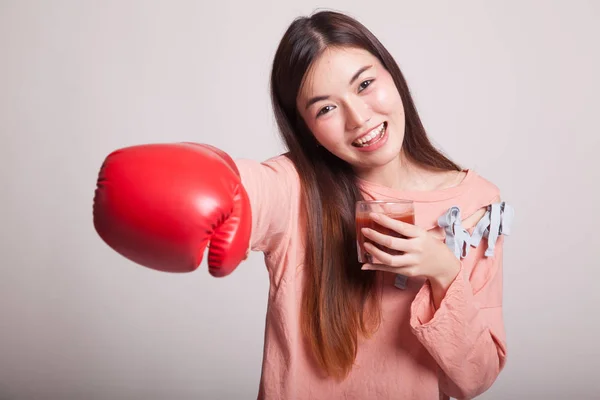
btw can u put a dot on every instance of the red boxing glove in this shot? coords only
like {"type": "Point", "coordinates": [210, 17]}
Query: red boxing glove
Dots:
{"type": "Point", "coordinates": [159, 205]}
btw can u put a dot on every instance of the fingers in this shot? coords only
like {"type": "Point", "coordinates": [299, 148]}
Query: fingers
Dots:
{"type": "Point", "coordinates": [379, 267]}
{"type": "Point", "coordinates": [390, 242]}
{"type": "Point", "coordinates": [403, 228]}
{"type": "Point", "coordinates": [406, 271]}
{"type": "Point", "coordinates": [386, 258]}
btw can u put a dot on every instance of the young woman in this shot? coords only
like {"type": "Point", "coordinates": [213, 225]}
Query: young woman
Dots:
{"type": "Point", "coordinates": [422, 325]}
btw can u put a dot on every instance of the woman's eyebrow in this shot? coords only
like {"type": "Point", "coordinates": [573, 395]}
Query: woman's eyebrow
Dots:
{"type": "Point", "coordinates": [354, 77]}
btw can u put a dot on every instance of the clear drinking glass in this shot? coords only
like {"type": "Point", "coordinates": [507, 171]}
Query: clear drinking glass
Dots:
{"type": "Point", "coordinates": [401, 210]}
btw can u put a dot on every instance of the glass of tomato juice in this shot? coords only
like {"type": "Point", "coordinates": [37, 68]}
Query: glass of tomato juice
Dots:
{"type": "Point", "coordinates": [402, 210]}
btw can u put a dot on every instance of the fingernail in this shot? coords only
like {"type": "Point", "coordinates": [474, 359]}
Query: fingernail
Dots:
{"type": "Point", "coordinates": [374, 216]}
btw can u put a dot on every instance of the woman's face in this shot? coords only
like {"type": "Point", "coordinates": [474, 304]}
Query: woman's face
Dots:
{"type": "Point", "coordinates": [352, 107]}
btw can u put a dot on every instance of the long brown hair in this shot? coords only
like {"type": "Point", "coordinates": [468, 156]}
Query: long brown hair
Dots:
{"type": "Point", "coordinates": [340, 301]}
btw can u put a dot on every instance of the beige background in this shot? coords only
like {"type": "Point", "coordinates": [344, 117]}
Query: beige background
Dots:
{"type": "Point", "coordinates": [507, 88]}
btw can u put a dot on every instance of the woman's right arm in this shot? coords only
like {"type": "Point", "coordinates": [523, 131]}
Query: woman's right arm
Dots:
{"type": "Point", "coordinates": [161, 205]}
{"type": "Point", "coordinates": [273, 187]}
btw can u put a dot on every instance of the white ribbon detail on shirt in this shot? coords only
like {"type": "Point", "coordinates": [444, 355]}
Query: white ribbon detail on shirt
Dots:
{"type": "Point", "coordinates": [496, 221]}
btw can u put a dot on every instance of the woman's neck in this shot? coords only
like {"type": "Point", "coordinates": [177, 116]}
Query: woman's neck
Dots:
{"type": "Point", "coordinates": [400, 174]}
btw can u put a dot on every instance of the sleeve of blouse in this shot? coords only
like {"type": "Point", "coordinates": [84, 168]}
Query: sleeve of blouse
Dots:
{"type": "Point", "coordinates": [466, 334]}
{"type": "Point", "coordinates": [273, 187]}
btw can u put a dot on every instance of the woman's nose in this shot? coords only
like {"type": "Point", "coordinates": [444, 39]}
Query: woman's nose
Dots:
{"type": "Point", "coordinates": [358, 114]}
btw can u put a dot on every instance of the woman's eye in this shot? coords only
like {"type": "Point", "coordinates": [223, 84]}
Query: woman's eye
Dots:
{"type": "Point", "coordinates": [365, 84]}
{"type": "Point", "coordinates": [325, 110]}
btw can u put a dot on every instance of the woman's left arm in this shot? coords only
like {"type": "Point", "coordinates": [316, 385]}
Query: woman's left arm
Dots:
{"type": "Point", "coordinates": [457, 314]}
{"type": "Point", "coordinates": [465, 334]}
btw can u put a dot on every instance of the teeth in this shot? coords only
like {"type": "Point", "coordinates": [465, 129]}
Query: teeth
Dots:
{"type": "Point", "coordinates": [370, 136]}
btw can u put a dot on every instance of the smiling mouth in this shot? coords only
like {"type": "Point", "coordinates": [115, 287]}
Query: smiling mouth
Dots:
{"type": "Point", "coordinates": [372, 137]}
